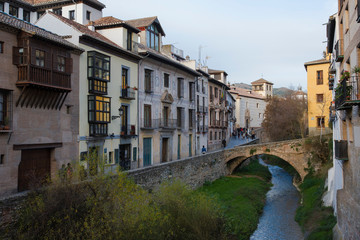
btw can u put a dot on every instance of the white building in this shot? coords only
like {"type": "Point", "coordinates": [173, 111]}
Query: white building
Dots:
{"type": "Point", "coordinates": [263, 87]}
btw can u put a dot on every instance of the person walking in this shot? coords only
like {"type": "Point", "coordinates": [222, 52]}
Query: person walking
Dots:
{"type": "Point", "coordinates": [224, 143]}
{"type": "Point", "coordinates": [203, 150]}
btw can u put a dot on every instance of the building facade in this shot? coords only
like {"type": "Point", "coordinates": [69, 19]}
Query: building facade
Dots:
{"type": "Point", "coordinates": [263, 87]}
{"type": "Point", "coordinates": [39, 104]}
{"type": "Point", "coordinates": [319, 96]}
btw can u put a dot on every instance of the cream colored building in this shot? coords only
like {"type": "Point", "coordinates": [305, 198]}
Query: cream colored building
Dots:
{"type": "Point", "coordinates": [263, 87]}
{"type": "Point", "coordinates": [108, 89]}
{"type": "Point", "coordinates": [319, 96]}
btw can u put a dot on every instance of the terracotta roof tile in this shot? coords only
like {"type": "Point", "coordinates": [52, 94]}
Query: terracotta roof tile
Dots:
{"type": "Point", "coordinates": [43, 2]}
{"type": "Point", "coordinates": [28, 27]}
{"type": "Point", "coordinates": [110, 21]}
{"type": "Point", "coordinates": [142, 22]}
{"type": "Point", "coordinates": [245, 92]}
{"type": "Point", "coordinates": [261, 80]}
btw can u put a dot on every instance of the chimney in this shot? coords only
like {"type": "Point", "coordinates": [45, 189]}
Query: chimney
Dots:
{"type": "Point", "coordinates": [91, 26]}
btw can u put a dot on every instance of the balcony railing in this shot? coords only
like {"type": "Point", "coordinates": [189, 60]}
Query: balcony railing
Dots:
{"type": "Point", "coordinates": [128, 93]}
{"type": "Point", "coordinates": [149, 124]}
{"type": "Point", "coordinates": [205, 128]}
{"type": "Point", "coordinates": [128, 130]}
{"type": "Point", "coordinates": [347, 93]}
{"type": "Point", "coordinates": [341, 149]}
{"type": "Point", "coordinates": [339, 50]}
{"type": "Point", "coordinates": [45, 77]}
{"type": "Point", "coordinates": [167, 123]}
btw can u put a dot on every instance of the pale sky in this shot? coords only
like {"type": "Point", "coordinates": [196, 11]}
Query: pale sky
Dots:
{"type": "Point", "coordinates": [248, 39]}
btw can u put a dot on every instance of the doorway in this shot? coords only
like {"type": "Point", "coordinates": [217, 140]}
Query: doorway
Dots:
{"type": "Point", "coordinates": [164, 151]}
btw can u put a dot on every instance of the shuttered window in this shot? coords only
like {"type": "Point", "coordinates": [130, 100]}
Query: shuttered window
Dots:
{"type": "Point", "coordinates": [180, 117]}
{"type": "Point", "coordinates": [180, 87]}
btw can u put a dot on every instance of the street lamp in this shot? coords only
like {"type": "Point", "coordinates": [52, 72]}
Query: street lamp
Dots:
{"type": "Point", "coordinates": [121, 112]}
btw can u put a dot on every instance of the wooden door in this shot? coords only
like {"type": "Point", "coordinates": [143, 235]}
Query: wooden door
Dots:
{"type": "Point", "coordinates": [34, 168]}
{"type": "Point", "coordinates": [147, 152]}
{"type": "Point", "coordinates": [164, 153]}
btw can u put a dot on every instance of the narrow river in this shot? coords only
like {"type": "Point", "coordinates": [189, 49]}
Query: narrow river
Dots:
{"type": "Point", "coordinates": [277, 221]}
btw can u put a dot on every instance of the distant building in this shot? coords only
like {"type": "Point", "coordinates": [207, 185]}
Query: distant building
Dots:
{"type": "Point", "coordinates": [263, 87]}
{"type": "Point", "coordinates": [319, 96]}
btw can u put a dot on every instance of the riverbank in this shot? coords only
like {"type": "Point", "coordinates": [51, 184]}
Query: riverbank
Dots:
{"type": "Point", "coordinates": [242, 198]}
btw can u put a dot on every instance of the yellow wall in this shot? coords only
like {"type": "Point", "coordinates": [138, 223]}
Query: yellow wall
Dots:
{"type": "Point", "coordinates": [318, 109]}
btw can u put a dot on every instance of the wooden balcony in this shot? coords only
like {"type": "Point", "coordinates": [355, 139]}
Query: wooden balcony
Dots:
{"type": "Point", "coordinates": [42, 77]}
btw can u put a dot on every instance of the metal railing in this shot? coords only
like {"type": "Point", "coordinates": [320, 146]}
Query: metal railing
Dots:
{"type": "Point", "coordinates": [149, 123]}
{"type": "Point", "coordinates": [128, 130]}
{"type": "Point", "coordinates": [339, 50]}
{"type": "Point", "coordinates": [128, 93]}
{"type": "Point", "coordinates": [347, 93]}
{"type": "Point", "coordinates": [167, 123]}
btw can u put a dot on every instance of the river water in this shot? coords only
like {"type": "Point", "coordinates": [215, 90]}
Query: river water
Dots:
{"type": "Point", "coordinates": [277, 221]}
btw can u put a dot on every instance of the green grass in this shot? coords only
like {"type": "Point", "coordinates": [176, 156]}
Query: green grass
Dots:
{"type": "Point", "coordinates": [242, 200]}
{"type": "Point", "coordinates": [254, 168]}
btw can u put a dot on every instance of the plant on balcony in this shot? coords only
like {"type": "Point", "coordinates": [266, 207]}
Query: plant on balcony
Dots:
{"type": "Point", "coordinates": [356, 69]}
{"type": "Point", "coordinates": [345, 75]}
{"type": "Point", "coordinates": [135, 88]}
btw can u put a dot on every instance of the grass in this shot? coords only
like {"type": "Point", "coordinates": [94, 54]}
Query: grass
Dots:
{"type": "Point", "coordinates": [242, 199]}
{"type": "Point", "coordinates": [254, 168]}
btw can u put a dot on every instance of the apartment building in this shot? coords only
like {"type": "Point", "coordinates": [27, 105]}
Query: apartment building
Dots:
{"type": "Point", "coordinates": [39, 104]}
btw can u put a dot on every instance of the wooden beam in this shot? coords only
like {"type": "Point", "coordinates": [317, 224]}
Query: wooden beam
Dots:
{"type": "Point", "coordinates": [59, 100]}
{"type": "Point", "coordinates": [21, 95]}
{"type": "Point", "coordinates": [63, 100]}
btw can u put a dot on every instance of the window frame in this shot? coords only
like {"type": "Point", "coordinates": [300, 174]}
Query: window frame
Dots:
{"type": "Point", "coordinates": [147, 115]}
{"type": "Point", "coordinates": [320, 98]}
{"type": "Point", "coordinates": [99, 127]}
{"type": "Point", "coordinates": [88, 15]}
{"type": "Point", "coordinates": [153, 37]}
{"type": "Point", "coordinates": [2, 47]}
{"type": "Point", "coordinates": [129, 40]}
{"type": "Point", "coordinates": [72, 14]}
{"type": "Point", "coordinates": [318, 119]}
{"type": "Point", "coordinates": [57, 11]}
{"type": "Point", "coordinates": [6, 107]}
{"type": "Point", "coordinates": [319, 77]}
{"type": "Point", "coordinates": [40, 58]}
{"type": "Point", "coordinates": [180, 87]}
{"type": "Point", "coordinates": [11, 8]}
{"type": "Point", "coordinates": [39, 14]}
{"type": "Point", "coordinates": [148, 80]}
{"type": "Point", "coordinates": [61, 63]}
{"type": "Point", "coordinates": [26, 16]}
{"type": "Point", "coordinates": [166, 80]}
{"type": "Point", "coordinates": [2, 6]}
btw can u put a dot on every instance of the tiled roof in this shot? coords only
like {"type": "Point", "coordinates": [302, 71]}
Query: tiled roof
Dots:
{"type": "Point", "coordinates": [320, 61]}
{"type": "Point", "coordinates": [213, 71]}
{"type": "Point", "coordinates": [142, 22]}
{"type": "Point", "coordinates": [261, 80]}
{"type": "Point", "coordinates": [245, 92]}
{"type": "Point", "coordinates": [37, 31]}
{"type": "Point", "coordinates": [84, 29]}
{"type": "Point", "coordinates": [110, 21]}
{"type": "Point", "coordinates": [44, 2]}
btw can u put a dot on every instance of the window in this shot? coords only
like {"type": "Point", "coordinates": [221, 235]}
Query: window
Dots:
{"type": "Point", "coordinates": [98, 72]}
{"type": "Point", "coordinates": [39, 14]}
{"type": "Point", "coordinates": [2, 7]}
{"type": "Point", "coordinates": [166, 80]}
{"type": "Point", "coordinates": [111, 158]}
{"type": "Point", "coordinates": [319, 77]}
{"type": "Point", "coordinates": [125, 129]}
{"type": "Point", "coordinates": [125, 77]}
{"type": "Point", "coordinates": [88, 14]}
{"type": "Point", "coordinates": [2, 157]}
{"type": "Point", "coordinates": [180, 117]}
{"type": "Point", "coordinates": [320, 121]}
{"type": "Point", "coordinates": [191, 118]}
{"type": "Point", "coordinates": [319, 98]}
{"type": "Point", "coordinates": [180, 89]}
{"type": "Point", "coordinates": [5, 109]}
{"type": "Point", "coordinates": [211, 94]}
{"type": "Point", "coordinates": [259, 115]}
{"type": "Point", "coordinates": [148, 81]}
{"type": "Point", "coordinates": [257, 105]}
{"type": "Point", "coordinates": [165, 116]}
{"type": "Point", "coordinates": [153, 37]}
{"type": "Point", "coordinates": [1, 47]}
{"type": "Point", "coordinates": [129, 40]}
{"type": "Point", "coordinates": [26, 15]}
{"type": "Point", "coordinates": [57, 11]}
{"type": "Point", "coordinates": [72, 15]}
{"type": "Point", "coordinates": [216, 92]}
{"type": "Point", "coordinates": [61, 64]}
{"type": "Point", "coordinates": [192, 91]}
{"type": "Point", "coordinates": [215, 136]}
{"type": "Point", "coordinates": [147, 115]}
{"type": "Point", "coordinates": [39, 58]}
{"type": "Point", "coordinates": [98, 115]}
{"type": "Point", "coordinates": [211, 136]}
{"type": "Point", "coordinates": [13, 11]}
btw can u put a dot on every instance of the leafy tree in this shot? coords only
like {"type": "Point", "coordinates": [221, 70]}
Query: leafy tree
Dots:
{"type": "Point", "coordinates": [285, 118]}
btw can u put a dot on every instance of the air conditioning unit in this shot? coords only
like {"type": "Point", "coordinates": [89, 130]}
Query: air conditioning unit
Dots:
{"type": "Point", "coordinates": [341, 150]}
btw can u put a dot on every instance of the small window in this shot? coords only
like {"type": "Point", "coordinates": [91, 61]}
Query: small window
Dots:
{"type": "Point", "coordinates": [216, 92]}
{"type": "Point", "coordinates": [1, 47]}
{"type": "Point", "coordinates": [147, 115]}
{"type": "Point", "coordinates": [2, 8]}
{"type": "Point", "coordinates": [57, 11]}
{"type": "Point", "coordinates": [319, 77]}
{"type": "Point", "coordinates": [257, 105]}
{"type": "Point", "coordinates": [320, 98]}
{"type": "Point", "coordinates": [72, 15]}
{"type": "Point", "coordinates": [129, 40]}
{"type": "Point", "coordinates": [88, 14]}
{"type": "Point", "coordinates": [259, 115]}
{"type": "Point", "coordinates": [26, 16]}
{"type": "Point", "coordinates": [13, 11]}
{"type": "Point", "coordinates": [2, 157]}
{"type": "Point", "coordinates": [111, 158]}
{"type": "Point", "coordinates": [215, 135]}
{"type": "Point", "coordinates": [166, 80]}
{"type": "Point", "coordinates": [61, 64]}
{"type": "Point", "coordinates": [180, 89]}
{"type": "Point", "coordinates": [320, 121]}
{"type": "Point", "coordinates": [5, 109]}
{"type": "Point", "coordinates": [40, 58]}
{"type": "Point", "coordinates": [148, 81]}
{"type": "Point", "coordinates": [39, 14]}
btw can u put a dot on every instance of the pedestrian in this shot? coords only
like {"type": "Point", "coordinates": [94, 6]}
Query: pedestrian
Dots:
{"type": "Point", "coordinates": [252, 134]}
{"type": "Point", "coordinates": [69, 171]}
{"type": "Point", "coordinates": [203, 150]}
{"type": "Point", "coordinates": [224, 143]}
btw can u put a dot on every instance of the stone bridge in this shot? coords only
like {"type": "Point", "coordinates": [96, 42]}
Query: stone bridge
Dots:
{"type": "Point", "coordinates": [291, 151]}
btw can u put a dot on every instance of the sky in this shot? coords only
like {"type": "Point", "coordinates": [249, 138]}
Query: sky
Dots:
{"type": "Point", "coordinates": [248, 39]}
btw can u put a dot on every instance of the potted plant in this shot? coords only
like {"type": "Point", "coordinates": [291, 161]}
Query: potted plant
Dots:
{"type": "Point", "coordinates": [345, 75]}
{"type": "Point", "coordinates": [356, 70]}
{"type": "Point", "coordinates": [6, 123]}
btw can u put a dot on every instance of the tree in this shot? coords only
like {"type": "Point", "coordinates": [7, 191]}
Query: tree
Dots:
{"type": "Point", "coordinates": [285, 118]}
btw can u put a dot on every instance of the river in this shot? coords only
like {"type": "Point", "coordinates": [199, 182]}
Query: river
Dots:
{"type": "Point", "coordinates": [277, 221]}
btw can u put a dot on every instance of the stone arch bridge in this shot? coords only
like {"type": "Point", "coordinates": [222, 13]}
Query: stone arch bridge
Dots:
{"type": "Point", "coordinates": [291, 151]}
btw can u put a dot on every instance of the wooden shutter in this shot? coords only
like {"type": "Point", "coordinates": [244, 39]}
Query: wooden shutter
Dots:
{"type": "Point", "coordinates": [33, 56]}
{"type": "Point", "coordinates": [116, 156]}
{"type": "Point", "coordinates": [16, 56]}
{"type": "Point", "coordinates": [69, 65]}
{"type": "Point", "coordinates": [182, 110]}
{"type": "Point", "coordinates": [48, 60]}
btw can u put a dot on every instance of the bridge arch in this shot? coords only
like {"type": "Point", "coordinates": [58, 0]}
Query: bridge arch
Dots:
{"type": "Point", "coordinates": [291, 151]}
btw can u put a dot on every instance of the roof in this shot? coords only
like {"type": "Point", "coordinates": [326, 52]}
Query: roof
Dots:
{"type": "Point", "coordinates": [45, 2]}
{"type": "Point", "coordinates": [212, 80]}
{"type": "Point", "coordinates": [35, 30]}
{"type": "Point", "coordinates": [148, 52]}
{"type": "Point", "coordinates": [213, 71]}
{"type": "Point", "coordinates": [145, 22]}
{"type": "Point", "coordinates": [245, 93]}
{"type": "Point", "coordinates": [110, 21]}
{"type": "Point", "coordinates": [316, 62]}
{"type": "Point", "coordinates": [92, 34]}
{"type": "Point", "coordinates": [260, 81]}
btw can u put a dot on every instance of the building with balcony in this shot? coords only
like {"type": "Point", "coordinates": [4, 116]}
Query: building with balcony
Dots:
{"type": "Point", "coordinates": [167, 98]}
{"type": "Point", "coordinates": [108, 115]}
{"type": "Point", "coordinates": [263, 87]}
{"type": "Point", "coordinates": [319, 96]}
{"type": "Point", "coordinates": [249, 108]}
{"type": "Point", "coordinates": [83, 11]}
{"type": "Point", "coordinates": [39, 104]}
{"type": "Point", "coordinates": [343, 38]}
